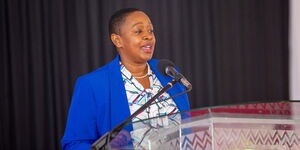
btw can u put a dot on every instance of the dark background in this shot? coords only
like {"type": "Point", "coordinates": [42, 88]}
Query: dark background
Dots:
{"type": "Point", "coordinates": [232, 51]}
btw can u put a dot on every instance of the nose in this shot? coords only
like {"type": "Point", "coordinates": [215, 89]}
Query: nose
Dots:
{"type": "Point", "coordinates": [148, 36]}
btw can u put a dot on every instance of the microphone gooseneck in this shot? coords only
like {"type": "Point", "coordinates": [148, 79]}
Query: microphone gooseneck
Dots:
{"type": "Point", "coordinates": [166, 68]}
{"type": "Point", "coordinates": [103, 143]}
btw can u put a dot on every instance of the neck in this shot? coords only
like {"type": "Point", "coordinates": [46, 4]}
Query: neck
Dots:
{"type": "Point", "coordinates": [136, 69]}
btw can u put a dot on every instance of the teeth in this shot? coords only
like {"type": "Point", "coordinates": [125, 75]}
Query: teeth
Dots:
{"type": "Point", "coordinates": [146, 46]}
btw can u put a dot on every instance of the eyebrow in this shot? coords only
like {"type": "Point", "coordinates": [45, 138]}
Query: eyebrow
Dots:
{"type": "Point", "coordinates": [138, 23]}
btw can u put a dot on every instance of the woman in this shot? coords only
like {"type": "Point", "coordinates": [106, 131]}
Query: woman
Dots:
{"type": "Point", "coordinates": [106, 97]}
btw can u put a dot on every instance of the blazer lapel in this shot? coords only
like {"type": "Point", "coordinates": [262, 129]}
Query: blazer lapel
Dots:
{"type": "Point", "coordinates": [119, 104]}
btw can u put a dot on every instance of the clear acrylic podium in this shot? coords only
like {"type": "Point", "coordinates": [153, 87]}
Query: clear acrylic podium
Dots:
{"type": "Point", "coordinates": [256, 126]}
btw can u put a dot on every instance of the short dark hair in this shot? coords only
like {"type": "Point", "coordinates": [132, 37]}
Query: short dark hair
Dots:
{"type": "Point", "coordinates": [118, 18]}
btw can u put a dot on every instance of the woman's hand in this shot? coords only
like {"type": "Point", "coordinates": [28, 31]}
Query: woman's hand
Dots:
{"type": "Point", "coordinates": [121, 139]}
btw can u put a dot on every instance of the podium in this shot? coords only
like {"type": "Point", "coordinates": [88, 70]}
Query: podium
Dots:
{"type": "Point", "coordinates": [256, 126]}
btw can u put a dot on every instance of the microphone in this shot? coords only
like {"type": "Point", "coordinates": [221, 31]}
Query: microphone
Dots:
{"type": "Point", "coordinates": [167, 68]}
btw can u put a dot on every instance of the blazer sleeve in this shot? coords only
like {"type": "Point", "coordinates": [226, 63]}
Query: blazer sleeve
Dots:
{"type": "Point", "coordinates": [81, 129]}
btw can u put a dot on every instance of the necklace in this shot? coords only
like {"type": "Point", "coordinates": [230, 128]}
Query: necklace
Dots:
{"type": "Point", "coordinates": [143, 76]}
{"type": "Point", "coordinates": [140, 77]}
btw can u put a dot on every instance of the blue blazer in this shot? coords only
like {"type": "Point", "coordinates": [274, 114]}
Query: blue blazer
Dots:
{"type": "Point", "coordinates": [99, 103]}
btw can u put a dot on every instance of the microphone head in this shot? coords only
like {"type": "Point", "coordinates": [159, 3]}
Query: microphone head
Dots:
{"type": "Point", "coordinates": [163, 64]}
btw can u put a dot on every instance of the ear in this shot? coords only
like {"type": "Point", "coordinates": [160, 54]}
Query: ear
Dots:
{"type": "Point", "coordinates": [116, 39]}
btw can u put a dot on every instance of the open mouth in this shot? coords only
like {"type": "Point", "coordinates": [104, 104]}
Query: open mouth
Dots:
{"type": "Point", "coordinates": [147, 48]}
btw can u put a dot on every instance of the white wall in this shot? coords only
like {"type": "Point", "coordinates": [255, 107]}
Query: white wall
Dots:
{"type": "Point", "coordinates": [294, 49]}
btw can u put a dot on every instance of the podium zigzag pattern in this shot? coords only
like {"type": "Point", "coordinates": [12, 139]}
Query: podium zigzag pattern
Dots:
{"type": "Point", "coordinates": [238, 138]}
{"type": "Point", "coordinates": [199, 141]}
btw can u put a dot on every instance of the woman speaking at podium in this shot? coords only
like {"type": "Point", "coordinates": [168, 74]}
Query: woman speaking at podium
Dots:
{"type": "Point", "coordinates": [104, 98]}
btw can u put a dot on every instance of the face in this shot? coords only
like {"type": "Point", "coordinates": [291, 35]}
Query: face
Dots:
{"type": "Point", "coordinates": [135, 41]}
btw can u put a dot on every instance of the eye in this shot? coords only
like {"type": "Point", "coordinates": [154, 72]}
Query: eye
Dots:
{"type": "Point", "coordinates": [138, 31]}
{"type": "Point", "coordinates": [151, 30]}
